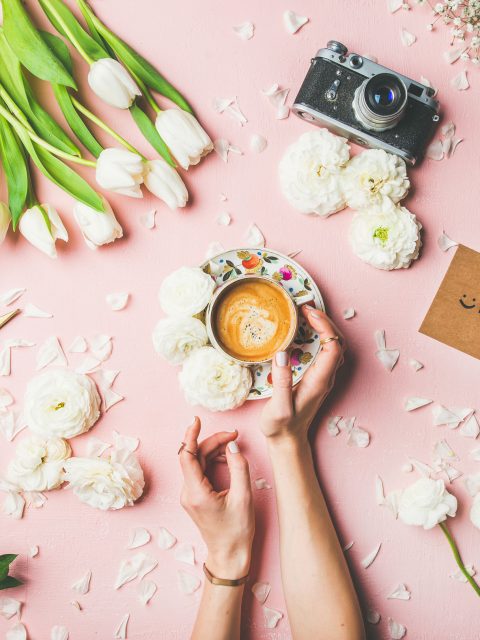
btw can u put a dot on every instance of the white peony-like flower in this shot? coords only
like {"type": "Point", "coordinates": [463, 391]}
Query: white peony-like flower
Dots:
{"type": "Point", "coordinates": [186, 292]}
{"type": "Point", "coordinates": [38, 463]}
{"type": "Point", "coordinates": [61, 403]}
{"type": "Point", "coordinates": [213, 381]}
{"type": "Point", "coordinates": [475, 511]}
{"type": "Point", "coordinates": [177, 338]}
{"type": "Point", "coordinates": [113, 482]}
{"type": "Point", "coordinates": [374, 176]}
{"type": "Point", "coordinates": [426, 503]}
{"type": "Point", "coordinates": [386, 237]}
{"type": "Point", "coordinates": [310, 172]}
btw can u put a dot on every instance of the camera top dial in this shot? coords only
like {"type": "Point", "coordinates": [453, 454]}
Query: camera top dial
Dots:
{"type": "Point", "coordinates": [337, 47]}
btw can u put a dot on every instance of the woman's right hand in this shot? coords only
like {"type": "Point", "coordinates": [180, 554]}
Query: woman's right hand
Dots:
{"type": "Point", "coordinates": [289, 413]}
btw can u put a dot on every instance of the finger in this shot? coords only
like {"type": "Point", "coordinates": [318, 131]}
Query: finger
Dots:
{"type": "Point", "coordinates": [215, 443]}
{"type": "Point", "coordinates": [282, 384]}
{"type": "Point", "coordinates": [192, 471]}
{"type": "Point", "coordinates": [240, 484]}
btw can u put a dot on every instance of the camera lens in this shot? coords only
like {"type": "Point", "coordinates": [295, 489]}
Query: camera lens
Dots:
{"type": "Point", "coordinates": [379, 103]}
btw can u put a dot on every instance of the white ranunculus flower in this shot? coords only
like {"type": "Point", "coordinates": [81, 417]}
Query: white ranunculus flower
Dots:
{"type": "Point", "coordinates": [4, 220]}
{"type": "Point", "coordinates": [113, 482]}
{"type": "Point", "coordinates": [177, 338]}
{"type": "Point", "coordinates": [98, 227]}
{"type": "Point", "coordinates": [165, 182]}
{"type": "Point", "coordinates": [386, 237]}
{"type": "Point", "coordinates": [120, 171]}
{"type": "Point", "coordinates": [34, 227]}
{"type": "Point", "coordinates": [425, 503]}
{"type": "Point", "coordinates": [61, 403]}
{"type": "Point", "coordinates": [38, 463]}
{"type": "Point", "coordinates": [111, 82]}
{"type": "Point", "coordinates": [184, 136]}
{"type": "Point", "coordinates": [373, 176]}
{"type": "Point", "coordinates": [475, 511]}
{"type": "Point", "coordinates": [310, 172]}
{"type": "Point", "coordinates": [213, 381]}
{"type": "Point", "coordinates": [186, 292]}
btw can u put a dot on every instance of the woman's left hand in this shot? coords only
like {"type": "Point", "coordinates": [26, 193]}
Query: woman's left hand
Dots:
{"type": "Point", "coordinates": [226, 518]}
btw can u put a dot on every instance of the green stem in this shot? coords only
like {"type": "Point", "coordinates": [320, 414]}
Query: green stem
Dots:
{"type": "Point", "coordinates": [458, 559]}
{"type": "Point", "coordinates": [40, 141]}
{"type": "Point", "coordinates": [14, 108]}
{"type": "Point", "coordinates": [91, 116]}
{"type": "Point", "coordinates": [70, 35]}
{"type": "Point", "coordinates": [147, 94]}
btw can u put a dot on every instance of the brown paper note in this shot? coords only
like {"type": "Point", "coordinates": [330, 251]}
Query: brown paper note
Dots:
{"type": "Point", "coordinates": [454, 315]}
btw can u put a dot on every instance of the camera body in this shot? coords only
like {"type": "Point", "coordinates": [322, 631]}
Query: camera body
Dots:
{"type": "Point", "coordinates": [368, 103]}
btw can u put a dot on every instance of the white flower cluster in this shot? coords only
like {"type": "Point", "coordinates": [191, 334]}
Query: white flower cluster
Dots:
{"type": "Point", "coordinates": [208, 378]}
{"type": "Point", "coordinates": [317, 176]}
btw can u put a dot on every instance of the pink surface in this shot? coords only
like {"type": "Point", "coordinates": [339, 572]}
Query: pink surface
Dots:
{"type": "Point", "coordinates": [193, 43]}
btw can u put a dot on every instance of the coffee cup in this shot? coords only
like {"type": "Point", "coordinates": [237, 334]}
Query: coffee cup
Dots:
{"type": "Point", "coordinates": [252, 317]}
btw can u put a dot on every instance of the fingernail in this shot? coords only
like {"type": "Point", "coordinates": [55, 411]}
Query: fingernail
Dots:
{"type": "Point", "coordinates": [194, 419]}
{"type": "Point", "coordinates": [281, 359]}
{"type": "Point", "coordinates": [316, 313]}
{"type": "Point", "coordinates": [232, 430]}
{"type": "Point", "coordinates": [233, 447]}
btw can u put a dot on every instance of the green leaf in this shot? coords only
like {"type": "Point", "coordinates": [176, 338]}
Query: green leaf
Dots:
{"type": "Point", "coordinates": [17, 175]}
{"type": "Point", "coordinates": [150, 132]}
{"type": "Point", "coordinates": [62, 175]}
{"type": "Point", "coordinates": [58, 46]}
{"type": "Point", "coordinates": [75, 122]}
{"type": "Point", "coordinates": [9, 583]}
{"type": "Point", "coordinates": [66, 24]}
{"type": "Point", "coordinates": [7, 558]}
{"type": "Point", "coordinates": [29, 46]}
{"type": "Point", "coordinates": [87, 15]}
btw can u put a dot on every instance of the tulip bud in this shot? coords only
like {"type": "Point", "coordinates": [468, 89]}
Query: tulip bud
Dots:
{"type": "Point", "coordinates": [112, 83]}
{"type": "Point", "coordinates": [34, 228]}
{"type": "Point", "coordinates": [98, 227]}
{"type": "Point", "coordinates": [120, 171]}
{"type": "Point", "coordinates": [164, 182]}
{"type": "Point", "coordinates": [4, 221]}
{"type": "Point", "coordinates": [184, 136]}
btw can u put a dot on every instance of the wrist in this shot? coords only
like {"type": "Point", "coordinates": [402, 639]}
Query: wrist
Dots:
{"type": "Point", "coordinates": [288, 443]}
{"type": "Point", "coordinates": [232, 564]}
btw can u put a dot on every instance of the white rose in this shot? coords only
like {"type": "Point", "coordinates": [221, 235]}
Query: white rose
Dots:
{"type": "Point", "coordinates": [373, 176]}
{"type": "Point", "coordinates": [186, 292]}
{"type": "Point", "coordinates": [426, 503]}
{"type": "Point", "coordinates": [176, 338]}
{"type": "Point", "coordinates": [475, 511]}
{"type": "Point", "coordinates": [38, 463]}
{"type": "Point", "coordinates": [386, 237]}
{"type": "Point", "coordinates": [214, 382]}
{"type": "Point", "coordinates": [61, 403]}
{"type": "Point", "coordinates": [106, 483]}
{"type": "Point", "coordinates": [310, 172]}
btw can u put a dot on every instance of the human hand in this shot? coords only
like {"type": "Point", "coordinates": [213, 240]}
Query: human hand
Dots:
{"type": "Point", "coordinates": [289, 413]}
{"type": "Point", "coordinates": [226, 519]}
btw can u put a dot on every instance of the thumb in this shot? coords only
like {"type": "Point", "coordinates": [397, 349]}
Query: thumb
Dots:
{"type": "Point", "coordinates": [240, 485]}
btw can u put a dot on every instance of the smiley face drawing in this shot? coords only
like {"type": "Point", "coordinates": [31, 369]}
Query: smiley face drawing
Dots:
{"type": "Point", "coordinates": [463, 301]}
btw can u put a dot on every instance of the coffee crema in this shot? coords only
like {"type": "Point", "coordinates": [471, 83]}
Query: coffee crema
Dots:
{"type": "Point", "coordinates": [254, 320]}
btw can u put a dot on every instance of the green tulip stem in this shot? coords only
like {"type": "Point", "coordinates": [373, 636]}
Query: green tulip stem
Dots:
{"type": "Point", "coordinates": [91, 116]}
{"type": "Point", "coordinates": [19, 115]}
{"type": "Point", "coordinates": [49, 147]}
{"type": "Point", "coordinates": [458, 558]}
{"type": "Point", "coordinates": [70, 35]}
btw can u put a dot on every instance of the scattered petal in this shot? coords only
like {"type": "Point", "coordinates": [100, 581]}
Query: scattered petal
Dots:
{"type": "Point", "coordinates": [293, 254]}
{"type": "Point", "coordinates": [435, 150]}
{"type": "Point", "coordinates": [222, 197]}
{"type": "Point", "coordinates": [407, 467]}
{"type": "Point", "coordinates": [332, 425]}
{"type": "Point", "coordinates": [138, 537]}
{"type": "Point", "coordinates": [50, 352]}
{"type": "Point", "coordinates": [187, 583]}
{"type": "Point", "coordinates": [59, 633]}
{"type": "Point", "coordinates": [458, 575]}
{"type": "Point", "coordinates": [373, 617]}
{"type": "Point", "coordinates": [470, 428]}
{"type": "Point", "coordinates": [33, 551]}
{"type": "Point", "coordinates": [394, 5]}
{"type": "Point", "coordinates": [185, 553]}
{"type": "Point", "coordinates": [445, 242]}
{"type": "Point", "coordinates": [453, 55]}
{"type": "Point", "coordinates": [230, 106]}
{"type": "Point", "coordinates": [165, 540]}
{"type": "Point", "coordinates": [396, 630]}
{"type": "Point", "coordinates": [258, 143]}
{"type": "Point", "coordinates": [82, 586]}
{"type": "Point", "coordinates": [272, 617]}
{"type": "Point", "coordinates": [110, 398]}
{"type": "Point", "coordinates": [261, 483]}
{"type": "Point", "coordinates": [472, 484]}
{"type": "Point", "coordinates": [368, 560]}
{"type": "Point", "coordinates": [455, 143]}
{"type": "Point", "coordinates": [96, 447]}
{"type": "Point", "coordinates": [379, 490]}
{"type": "Point", "coordinates": [101, 346]}
{"type": "Point", "coordinates": [17, 632]}
{"type": "Point", "coordinates": [125, 442]}
{"type": "Point", "coordinates": [224, 219]}
{"type": "Point", "coordinates": [121, 630]}
{"type": "Point", "coordinates": [349, 545]}
{"type": "Point", "coordinates": [117, 301]}
{"type": "Point", "coordinates": [5, 361]}
{"type": "Point", "coordinates": [415, 364]}
{"type": "Point", "coordinates": [261, 590]}
{"type": "Point", "coordinates": [13, 505]}
{"type": "Point", "coordinates": [11, 424]}
{"type": "Point", "coordinates": [400, 593]}
{"type": "Point", "coordinates": [254, 237]}
{"type": "Point", "coordinates": [392, 501]}
{"type": "Point", "coordinates": [358, 437]}
{"type": "Point", "coordinates": [442, 415]}
{"type": "Point", "coordinates": [349, 313]}
{"type": "Point", "coordinates": [148, 565]}
{"type": "Point", "coordinates": [278, 98]}
{"type": "Point", "coordinates": [444, 451]}
{"type": "Point", "coordinates": [293, 21]}
{"type": "Point", "coordinates": [10, 607]}
{"type": "Point", "coordinates": [214, 249]}
{"type": "Point", "coordinates": [79, 345]}
{"type": "Point", "coordinates": [245, 30]}
{"type": "Point", "coordinates": [76, 604]}
{"type": "Point", "coordinates": [475, 454]}
{"type": "Point", "coordinates": [129, 569]}
{"type": "Point", "coordinates": [18, 342]}
{"type": "Point", "coordinates": [407, 38]}
{"type": "Point", "coordinates": [415, 403]}
{"type": "Point", "coordinates": [10, 296]}
{"type": "Point", "coordinates": [147, 219]}
{"type": "Point", "coordinates": [35, 499]}
{"type": "Point", "coordinates": [88, 365]}
{"type": "Point", "coordinates": [146, 591]}
{"type": "Point", "coordinates": [448, 130]}
{"type": "Point", "coordinates": [223, 148]}
{"type": "Point", "coordinates": [460, 81]}
{"type": "Point", "coordinates": [32, 311]}
{"type": "Point", "coordinates": [423, 469]}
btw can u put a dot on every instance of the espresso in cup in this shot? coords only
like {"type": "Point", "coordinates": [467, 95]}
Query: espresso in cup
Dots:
{"type": "Point", "coordinates": [253, 318]}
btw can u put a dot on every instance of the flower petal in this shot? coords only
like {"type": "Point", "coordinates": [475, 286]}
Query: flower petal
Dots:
{"type": "Point", "coordinates": [261, 590]}
{"type": "Point", "coordinates": [138, 537]}
{"type": "Point", "coordinates": [369, 559]}
{"type": "Point", "coordinates": [165, 539]}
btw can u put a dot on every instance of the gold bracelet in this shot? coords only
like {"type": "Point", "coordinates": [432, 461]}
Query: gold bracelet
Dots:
{"type": "Point", "coordinates": [222, 581]}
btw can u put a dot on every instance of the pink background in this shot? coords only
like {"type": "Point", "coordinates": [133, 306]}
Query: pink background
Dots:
{"type": "Point", "coordinates": [193, 44]}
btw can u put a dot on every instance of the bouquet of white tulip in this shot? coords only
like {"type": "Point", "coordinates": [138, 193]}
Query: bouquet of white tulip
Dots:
{"type": "Point", "coordinates": [122, 79]}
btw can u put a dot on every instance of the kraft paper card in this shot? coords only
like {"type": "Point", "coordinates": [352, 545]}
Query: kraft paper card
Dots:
{"type": "Point", "coordinates": [454, 316]}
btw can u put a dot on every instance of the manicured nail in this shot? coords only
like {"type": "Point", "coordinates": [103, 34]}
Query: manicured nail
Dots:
{"type": "Point", "coordinates": [281, 359]}
{"type": "Point", "coordinates": [233, 447]}
{"type": "Point", "coordinates": [194, 419]}
{"type": "Point", "coordinates": [316, 313]}
{"type": "Point", "coordinates": [232, 430]}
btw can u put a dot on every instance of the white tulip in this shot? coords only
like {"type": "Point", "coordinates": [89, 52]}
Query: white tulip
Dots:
{"type": "Point", "coordinates": [112, 83]}
{"type": "Point", "coordinates": [184, 136]}
{"type": "Point", "coordinates": [120, 171]}
{"type": "Point", "coordinates": [164, 182]}
{"type": "Point", "coordinates": [34, 228]}
{"type": "Point", "coordinates": [98, 227]}
{"type": "Point", "coordinates": [4, 221]}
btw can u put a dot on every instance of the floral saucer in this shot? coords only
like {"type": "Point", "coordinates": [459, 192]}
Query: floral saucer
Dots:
{"type": "Point", "coordinates": [296, 280]}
